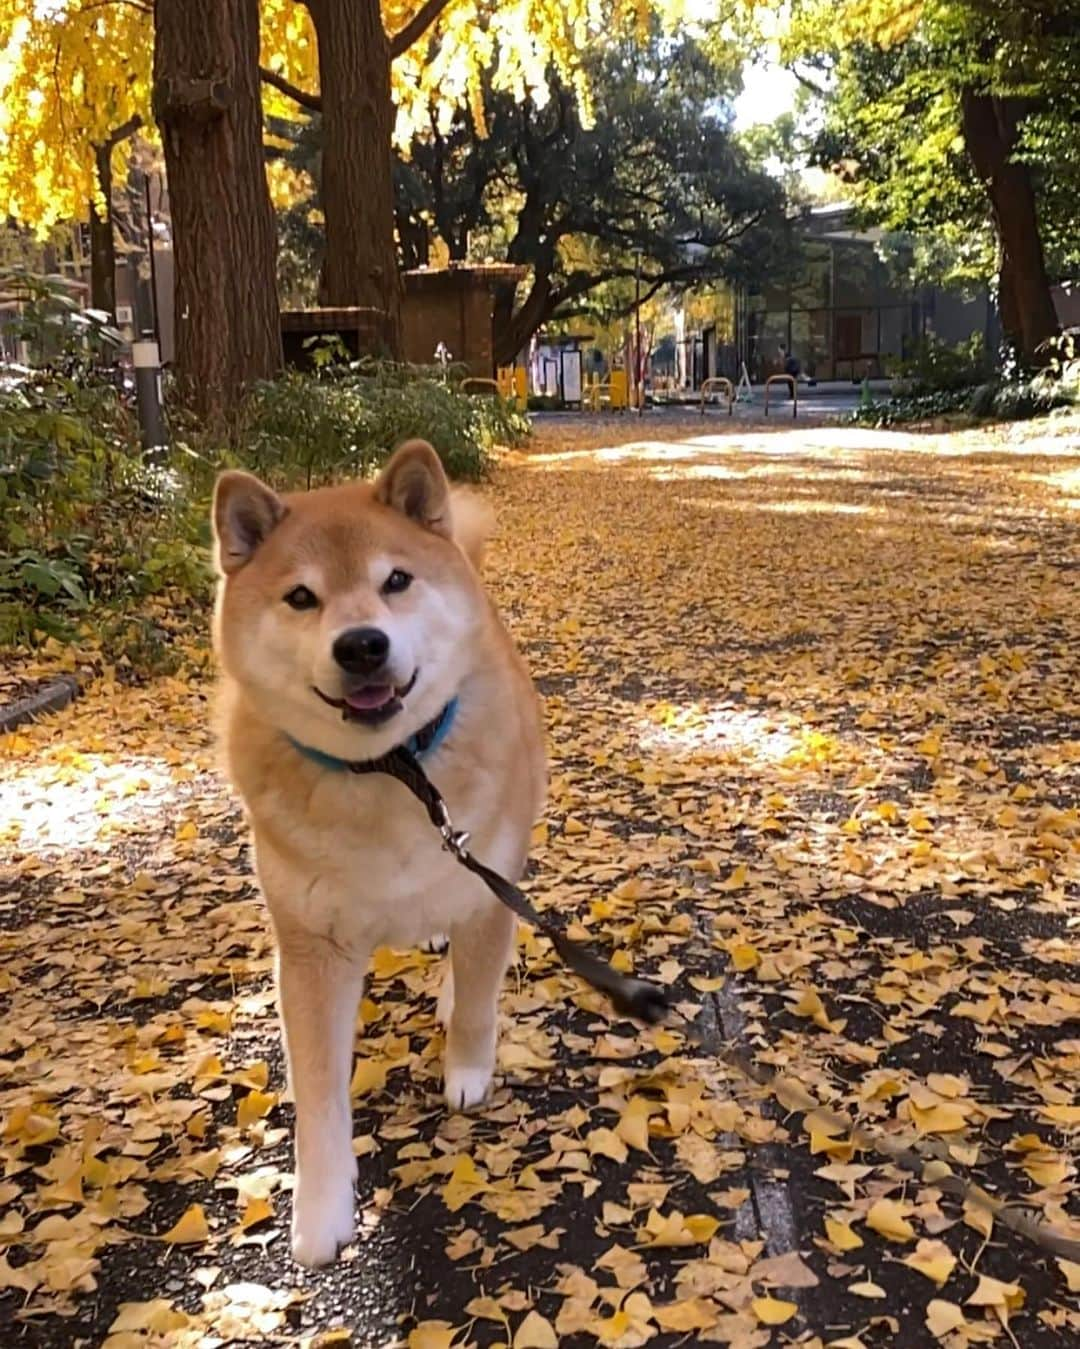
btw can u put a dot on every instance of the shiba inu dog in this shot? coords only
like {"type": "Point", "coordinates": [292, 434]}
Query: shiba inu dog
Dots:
{"type": "Point", "coordinates": [351, 620]}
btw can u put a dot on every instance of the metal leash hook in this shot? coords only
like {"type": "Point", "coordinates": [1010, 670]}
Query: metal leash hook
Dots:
{"type": "Point", "coordinates": [637, 998]}
{"type": "Point", "coordinates": [455, 841]}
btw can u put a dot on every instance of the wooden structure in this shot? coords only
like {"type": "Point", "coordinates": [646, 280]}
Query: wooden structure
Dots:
{"type": "Point", "coordinates": [455, 305]}
{"type": "Point", "coordinates": [363, 331]}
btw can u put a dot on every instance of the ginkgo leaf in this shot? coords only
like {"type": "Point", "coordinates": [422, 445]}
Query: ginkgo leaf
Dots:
{"type": "Point", "coordinates": [535, 1332]}
{"type": "Point", "coordinates": [934, 1259]}
{"type": "Point", "coordinates": [841, 1235]}
{"type": "Point", "coordinates": [633, 1125]}
{"type": "Point", "coordinates": [1004, 1297]}
{"type": "Point", "coordinates": [189, 1229]}
{"type": "Point", "coordinates": [432, 1335]}
{"type": "Point", "coordinates": [886, 1217]}
{"type": "Point", "coordinates": [156, 1317]}
{"type": "Point", "coordinates": [867, 1289]}
{"type": "Point", "coordinates": [942, 1318]}
{"type": "Point", "coordinates": [606, 1143]}
{"type": "Point", "coordinates": [256, 1211]}
{"type": "Point", "coordinates": [771, 1311]}
{"type": "Point", "coordinates": [369, 1076]}
{"type": "Point", "coordinates": [692, 1314]}
{"type": "Point", "coordinates": [1071, 1271]}
{"type": "Point", "coordinates": [673, 1229]}
{"type": "Point", "coordinates": [256, 1105]}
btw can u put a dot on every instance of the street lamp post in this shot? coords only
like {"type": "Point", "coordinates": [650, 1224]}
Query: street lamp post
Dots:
{"type": "Point", "coordinates": [638, 366]}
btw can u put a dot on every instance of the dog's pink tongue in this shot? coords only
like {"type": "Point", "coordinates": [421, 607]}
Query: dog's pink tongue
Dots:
{"type": "Point", "coordinates": [370, 696]}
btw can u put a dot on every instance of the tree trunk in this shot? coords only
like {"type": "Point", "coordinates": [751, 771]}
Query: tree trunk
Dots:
{"type": "Point", "coordinates": [207, 103]}
{"type": "Point", "coordinates": [513, 329]}
{"type": "Point", "coordinates": [357, 173]}
{"type": "Point", "coordinates": [102, 245]}
{"type": "Point", "coordinates": [991, 129]}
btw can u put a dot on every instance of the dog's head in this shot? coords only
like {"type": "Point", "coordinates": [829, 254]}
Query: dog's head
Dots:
{"type": "Point", "coordinates": [350, 615]}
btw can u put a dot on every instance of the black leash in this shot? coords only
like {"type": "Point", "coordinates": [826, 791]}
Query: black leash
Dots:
{"type": "Point", "coordinates": [635, 998]}
{"type": "Point", "coordinates": [648, 1002]}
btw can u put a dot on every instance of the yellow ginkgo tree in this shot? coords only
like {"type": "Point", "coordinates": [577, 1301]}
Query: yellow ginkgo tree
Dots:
{"type": "Point", "coordinates": [78, 74]}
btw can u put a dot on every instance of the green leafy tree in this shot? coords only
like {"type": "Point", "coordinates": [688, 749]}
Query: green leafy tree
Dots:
{"type": "Point", "coordinates": [656, 174]}
{"type": "Point", "coordinates": [958, 116]}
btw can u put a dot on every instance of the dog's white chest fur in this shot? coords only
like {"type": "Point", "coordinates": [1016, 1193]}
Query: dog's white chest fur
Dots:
{"type": "Point", "coordinates": [370, 869]}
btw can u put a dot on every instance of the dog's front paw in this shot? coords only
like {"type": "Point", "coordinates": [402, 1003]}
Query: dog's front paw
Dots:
{"type": "Point", "coordinates": [321, 1225]}
{"type": "Point", "coordinates": [467, 1086]}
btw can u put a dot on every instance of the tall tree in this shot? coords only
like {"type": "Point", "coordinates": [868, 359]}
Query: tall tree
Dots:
{"type": "Point", "coordinates": [384, 63]}
{"type": "Point", "coordinates": [206, 101]}
{"type": "Point", "coordinates": [957, 110]}
{"type": "Point", "coordinates": [656, 178]}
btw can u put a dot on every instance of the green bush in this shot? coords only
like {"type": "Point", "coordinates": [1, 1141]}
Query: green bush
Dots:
{"type": "Point", "coordinates": [94, 539]}
{"type": "Point", "coordinates": [934, 366]}
{"type": "Point", "coordinates": [84, 521]}
{"type": "Point", "coordinates": [344, 420]}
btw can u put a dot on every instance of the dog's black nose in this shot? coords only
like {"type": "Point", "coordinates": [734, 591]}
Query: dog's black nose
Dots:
{"type": "Point", "coordinates": [361, 650]}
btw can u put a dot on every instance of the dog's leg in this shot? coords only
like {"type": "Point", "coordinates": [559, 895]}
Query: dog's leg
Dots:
{"type": "Point", "coordinates": [318, 992]}
{"type": "Point", "coordinates": [479, 953]}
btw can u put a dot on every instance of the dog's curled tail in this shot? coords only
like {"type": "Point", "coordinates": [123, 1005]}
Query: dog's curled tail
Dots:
{"type": "Point", "coordinates": [473, 522]}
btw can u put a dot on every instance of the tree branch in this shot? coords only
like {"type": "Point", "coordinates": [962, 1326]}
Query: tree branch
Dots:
{"type": "Point", "coordinates": [312, 102]}
{"type": "Point", "coordinates": [417, 26]}
{"type": "Point", "coordinates": [123, 131]}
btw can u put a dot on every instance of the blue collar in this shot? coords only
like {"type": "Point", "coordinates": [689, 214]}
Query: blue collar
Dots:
{"type": "Point", "coordinates": [424, 742]}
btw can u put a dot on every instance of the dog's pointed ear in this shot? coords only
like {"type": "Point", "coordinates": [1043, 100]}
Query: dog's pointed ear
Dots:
{"type": "Point", "coordinates": [245, 512]}
{"type": "Point", "coordinates": [414, 483]}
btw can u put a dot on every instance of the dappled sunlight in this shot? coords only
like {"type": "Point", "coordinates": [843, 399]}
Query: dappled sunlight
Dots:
{"type": "Point", "coordinates": [810, 703]}
{"type": "Point", "coordinates": [85, 801]}
{"type": "Point", "coordinates": [710, 730]}
{"type": "Point", "coordinates": [805, 506]}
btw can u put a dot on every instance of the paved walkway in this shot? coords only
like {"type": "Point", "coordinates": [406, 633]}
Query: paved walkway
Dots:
{"type": "Point", "coordinates": [812, 705]}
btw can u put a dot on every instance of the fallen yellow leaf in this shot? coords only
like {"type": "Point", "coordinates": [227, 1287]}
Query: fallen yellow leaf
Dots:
{"type": "Point", "coordinates": [841, 1235]}
{"type": "Point", "coordinates": [887, 1218]}
{"type": "Point", "coordinates": [770, 1311]}
{"type": "Point", "coordinates": [190, 1229]}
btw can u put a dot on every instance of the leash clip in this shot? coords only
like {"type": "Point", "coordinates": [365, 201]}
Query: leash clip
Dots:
{"type": "Point", "coordinates": [454, 840]}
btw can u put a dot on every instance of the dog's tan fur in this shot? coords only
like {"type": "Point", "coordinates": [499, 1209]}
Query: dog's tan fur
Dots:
{"type": "Point", "coordinates": [349, 863]}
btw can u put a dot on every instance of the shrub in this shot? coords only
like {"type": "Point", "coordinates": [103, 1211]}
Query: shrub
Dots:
{"type": "Point", "coordinates": [84, 521]}
{"type": "Point", "coordinates": [934, 366]}
{"type": "Point", "coordinates": [93, 537]}
{"type": "Point", "coordinates": [304, 429]}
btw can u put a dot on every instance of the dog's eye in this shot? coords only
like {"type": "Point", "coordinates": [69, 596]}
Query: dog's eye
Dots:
{"type": "Point", "coordinates": [300, 597]}
{"type": "Point", "coordinates": [396, 582]}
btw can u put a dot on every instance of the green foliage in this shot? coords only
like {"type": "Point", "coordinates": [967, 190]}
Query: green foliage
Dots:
{"type": "Point", "coordinates": [894, 127]}
{"type": "Point", "coordinates": [84, 521]}
{"type": "Point", "coordinates": [59, 334]}
{"type": "Point", "coordinates": [1057, 386]}
{"type": "Point", "coordinates": [303, 429]}
{"type": "Point", "coordinates": [655, 172]}
{"type": "Point", "coordinates": [935, 366]}
{"type": "Point", "coordinates": [95, 540]}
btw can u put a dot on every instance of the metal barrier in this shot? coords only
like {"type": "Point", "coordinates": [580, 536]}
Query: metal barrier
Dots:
{"type": "Point", "coordinates": [475, 384]}
{"type": "Point", "coordinates": [790, 381]}
{"type": "Point", "coordinates": [594, 395]}
{"type": "Point", "coordinates": [716, 382]}
{"type": "Point", "coordinates": [513, 382]}
{"type": "Point", "coordinates": [614, 391]}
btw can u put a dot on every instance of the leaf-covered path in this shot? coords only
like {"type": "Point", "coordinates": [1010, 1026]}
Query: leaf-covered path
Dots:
{"type": "Point", "coordinates": [815, 738]}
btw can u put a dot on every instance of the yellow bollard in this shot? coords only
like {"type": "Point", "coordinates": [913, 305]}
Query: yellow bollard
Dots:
{"type": "Point", "coordinates": [513, 382]}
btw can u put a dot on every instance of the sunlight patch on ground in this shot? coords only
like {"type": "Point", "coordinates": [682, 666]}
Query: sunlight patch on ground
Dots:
{"type": "Point", "coordinates": [801, 506]}
{"type": "Point", "coordinates": [726, 730]}
{"type": "Point", "coordinates": [86, 804]}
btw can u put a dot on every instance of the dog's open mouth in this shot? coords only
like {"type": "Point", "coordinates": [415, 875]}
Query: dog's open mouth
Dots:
{"type": "Point", "coordinates": [370, 704]}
